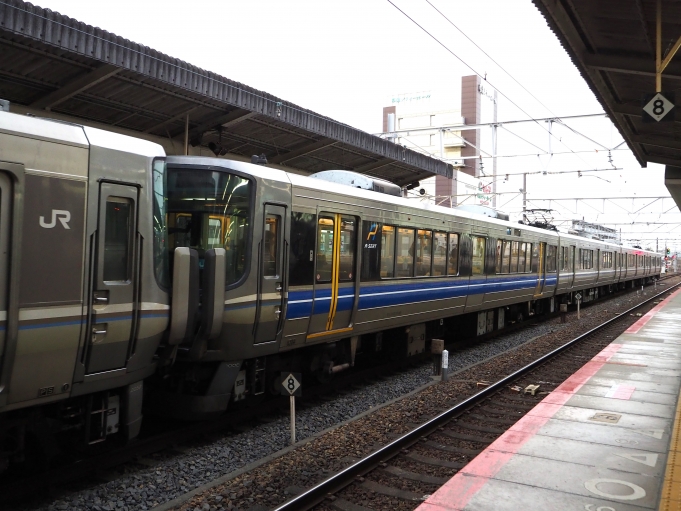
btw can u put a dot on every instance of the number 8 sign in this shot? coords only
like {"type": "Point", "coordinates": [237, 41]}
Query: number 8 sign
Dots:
{"type": "Point", "coordinates": [658, 107]}
{"type": "Point", "coordinates": [291, 384]}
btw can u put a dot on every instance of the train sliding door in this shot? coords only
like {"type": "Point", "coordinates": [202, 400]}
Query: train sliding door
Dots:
{"type": "Point", "coordinates": [270, 305]}
{"type": "Point", "coordinates": [335, 276]}
{"type": "Point", "coordinates": [113, 315]}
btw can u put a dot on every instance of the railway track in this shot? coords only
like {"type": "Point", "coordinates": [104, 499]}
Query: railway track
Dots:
{"type": "Point", "coordinates": [406, 471]}
{"type": "Point", "coordinates": [97, 468]}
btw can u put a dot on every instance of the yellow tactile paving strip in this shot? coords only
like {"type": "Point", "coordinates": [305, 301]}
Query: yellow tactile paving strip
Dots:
{"type": "Point", "coordinates": [671, 488]}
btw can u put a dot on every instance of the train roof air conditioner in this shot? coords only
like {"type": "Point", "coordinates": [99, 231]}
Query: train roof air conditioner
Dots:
{"type": "Point", "coordinates": [483, 210]}
{"type": "Point", "coordinates": [357, 180]}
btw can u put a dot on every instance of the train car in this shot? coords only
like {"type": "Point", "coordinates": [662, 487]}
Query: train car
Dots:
{"type": "Point", "coordinates": [82, 316]}
{"type": "Point", "coordinates": [189, 283]}
{"type": "Point", "coordinates": [342, 273]}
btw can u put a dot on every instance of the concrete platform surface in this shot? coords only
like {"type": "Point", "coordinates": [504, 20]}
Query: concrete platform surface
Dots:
{"type": "Point", "coordinates": [607, 439]}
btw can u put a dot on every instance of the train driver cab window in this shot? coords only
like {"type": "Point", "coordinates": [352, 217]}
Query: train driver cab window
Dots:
{"type": "Point", "coordinates": [453, 254]}
{"type": "Point", "coordinates": [405, 252]}
{"type": "Point", "coordinates": [478, 259]}
{"type": "Point", "coordinates": [201, 209]}
{"type": "Point", "coordinates": [325, 230]}
{"type": "Point", "coordinates": [424, 249]}
{"type": "Point", "coordinates": [439, 253]}
{"type": "Point", "coordinates": [117, 239]}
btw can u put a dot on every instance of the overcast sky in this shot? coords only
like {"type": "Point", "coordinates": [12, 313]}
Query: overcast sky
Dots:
{"type": "Point", "coordinates": [346, 59]}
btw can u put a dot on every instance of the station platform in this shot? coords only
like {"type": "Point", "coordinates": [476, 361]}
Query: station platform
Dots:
{"type": "Point", "coordinates": [607, 439]}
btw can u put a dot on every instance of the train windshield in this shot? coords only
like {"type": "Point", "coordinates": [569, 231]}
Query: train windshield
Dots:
{"type": "Point", "coordinates": [200, 209]}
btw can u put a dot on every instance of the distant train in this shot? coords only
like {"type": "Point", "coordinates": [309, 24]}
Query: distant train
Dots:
{"type": "Point", "coordinates": [187, 283]}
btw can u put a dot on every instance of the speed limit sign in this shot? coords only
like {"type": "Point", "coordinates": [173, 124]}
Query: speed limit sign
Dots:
{"type": "Point", "coordinates": [291, 384]}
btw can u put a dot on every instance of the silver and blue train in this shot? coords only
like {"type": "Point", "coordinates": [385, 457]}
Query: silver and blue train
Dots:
{"type": "Point", "coordinates": [183, 286]}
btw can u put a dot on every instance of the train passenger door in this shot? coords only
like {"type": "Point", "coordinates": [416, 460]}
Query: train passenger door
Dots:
{"type": "Point", "coordinates": [113, 313]}
{"type": "Point", "coordinates": [541, 270]}
{"type": "Point", "coordinates": [335, 276]}
{"type": "Point", "coordinates": [573, 263]}
{"type": "Point", "coordinates": [270, 305]}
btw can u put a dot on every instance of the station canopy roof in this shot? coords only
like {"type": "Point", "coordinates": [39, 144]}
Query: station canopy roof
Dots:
{"type": "Point", "coordinates": [613, 44]}
{"type": "Point", "coordinates": [54, 64]}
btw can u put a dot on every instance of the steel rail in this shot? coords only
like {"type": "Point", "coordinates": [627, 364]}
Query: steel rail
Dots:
{"type": "Point", "coordinates": [335, 483]}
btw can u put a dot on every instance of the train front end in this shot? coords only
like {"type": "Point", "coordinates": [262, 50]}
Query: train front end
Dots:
{"type": "Point", "coordinates": [219, 248]}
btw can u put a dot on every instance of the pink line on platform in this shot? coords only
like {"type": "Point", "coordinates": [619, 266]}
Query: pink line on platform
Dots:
{"type": "Point", "coordinates": [649, 315]}
{"type": "Point", "coordinates": [456, 493]}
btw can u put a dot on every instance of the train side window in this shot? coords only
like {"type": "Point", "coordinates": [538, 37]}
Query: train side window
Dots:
{"type": "Point", "coordinates": [272, 223]}
{"type": "Point", "coordinates": [497, 266]}
{"type": "Point", "coordinates": [535, 257]}
{"type": "Point", "coordinates": [521, 258]}
{"type": "Point", "coordinates": [348, 246]}
{"type": "Point", "coordinates": [439, 253]}
{"type": "Point", "coordinates": [405, 252]}
{"type": "Point", "coordinates": [301, 254]}
{"type": "Point", "coordinates": [515, 247]}
{"type": "Point", "coordinates": [453, 251]}
{"type": "Point", "coordinates": [117, 239]}
{"type": "Point", "coordinates": [506, 257]}
{"type": "Point", "coordinates": [528, 258]}
{"type": "Point", "coordinates": [551, 251]}
{"type": "Point", "coordinates": [325, 228]}
{"type": "Point", "coordinates": [424, 248]}
{"type": "Point", "coordinates": [387, 251]}
{"type": "Point", "coordinates": [478, 260]}
{"type": "Point", "coordinates": [371, 251]}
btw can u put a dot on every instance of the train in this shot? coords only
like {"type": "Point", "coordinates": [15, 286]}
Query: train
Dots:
{"type": "Point", "coordinates": [134, 282]}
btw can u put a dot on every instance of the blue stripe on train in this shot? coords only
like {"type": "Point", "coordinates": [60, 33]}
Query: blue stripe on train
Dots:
{"type": "Point", "coordinates": [372, 296]}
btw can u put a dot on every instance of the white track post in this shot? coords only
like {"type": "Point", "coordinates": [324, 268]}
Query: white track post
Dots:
{"type": "Point", "coordinates": [293, 419]}
{"type": "Point", "coordinates": [578, 302]}
{"type": "Point", "coordinates": [445, 364]}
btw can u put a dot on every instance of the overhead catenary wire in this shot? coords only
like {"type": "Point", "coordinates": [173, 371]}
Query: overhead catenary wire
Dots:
{"type": "Point", "coordinates": [477, 73]}
{"type": "Point", "coordinates": [489, 57]}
